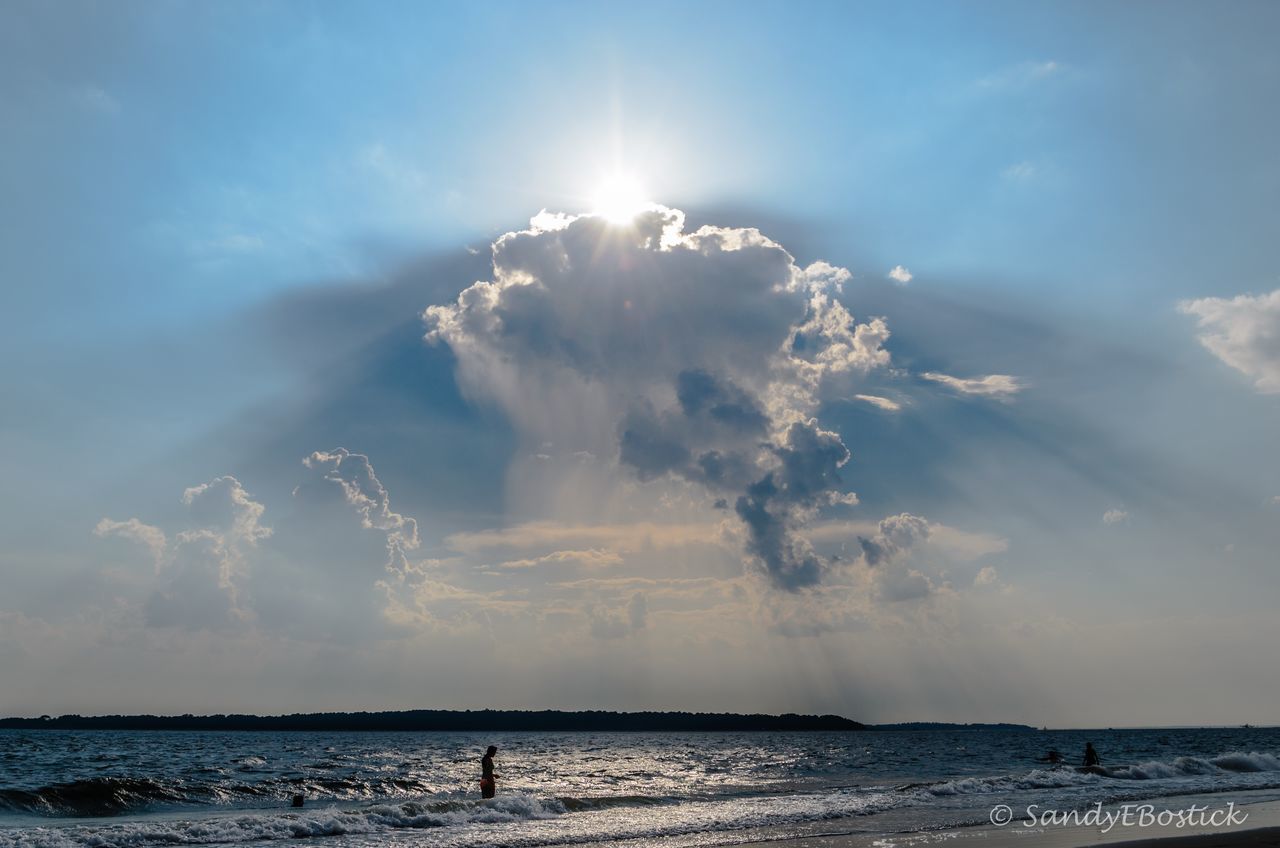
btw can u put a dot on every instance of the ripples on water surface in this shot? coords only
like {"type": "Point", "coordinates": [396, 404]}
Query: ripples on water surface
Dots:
{"type": "Point", "coordinates": [164, 788]}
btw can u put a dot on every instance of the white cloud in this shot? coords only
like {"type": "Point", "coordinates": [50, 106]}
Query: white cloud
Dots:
{"type": "Point", "coordinates": [224, 505]}
{"type": "Point", "coordinates": [1115, 516]}
{"type": "Point", "coordinates": [696, 361]}
{"type": "Point", "coordinates": [215, 575]}
{"type": "Point", "coordinates": [1244, 332]}
{"type": "Point", "coordinates": [592, 558]}
{"type": "Point", "coordinates": [151, 537]}
{"type": "Point", "coordinates": [900, 275]}
{"type": "Point", "coordinates": [998, 386]}
{"type": "Point", "coordinates": [894, 535]}
{"type": "Point", "coordinates": [353, 474]}
{"type": "Point", "coordinates": [201, 572]}
{"type": "Point", "coordinates": [880, 402]}
{"type": "Point", "coordinates": [888, 555]}
{"type": "Point", "coordinates": [906, 556]}
{"type": "Point", "coordinates": [209, 566]}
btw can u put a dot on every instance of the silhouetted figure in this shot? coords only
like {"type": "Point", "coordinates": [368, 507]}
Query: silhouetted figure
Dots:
{"type": "Point", "coordinates": [1091, 757]}
{"type": "Point", "coordinates": [1052, 757]}
{"type": "Point", "coordinates": [299, 800]}
{"type": "Point", "coordinates": [488, 782]}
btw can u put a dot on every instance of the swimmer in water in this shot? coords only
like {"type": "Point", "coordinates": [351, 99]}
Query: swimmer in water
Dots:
{"type": "Point", "coordinates": [488, 779]}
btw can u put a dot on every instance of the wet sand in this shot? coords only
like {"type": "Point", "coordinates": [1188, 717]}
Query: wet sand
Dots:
{"type": "Point", "coordinates": [1261, 829]}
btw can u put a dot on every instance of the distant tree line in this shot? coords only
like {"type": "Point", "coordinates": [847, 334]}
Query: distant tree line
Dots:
{"type": "Point", "coordinates": [942, 725]}
{"type": "Point", "coordinates": [451, 720]}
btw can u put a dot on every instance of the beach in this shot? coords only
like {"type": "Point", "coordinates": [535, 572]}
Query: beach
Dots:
{"type": "Point", "coordinates": [1262, 828]}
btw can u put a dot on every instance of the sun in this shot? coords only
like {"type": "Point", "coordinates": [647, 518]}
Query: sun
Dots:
{"type": "Point", "coordinates": [619, 199]}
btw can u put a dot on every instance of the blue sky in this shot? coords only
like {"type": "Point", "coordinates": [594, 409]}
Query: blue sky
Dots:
{"type": "Point", "coordinates": [223, 224]}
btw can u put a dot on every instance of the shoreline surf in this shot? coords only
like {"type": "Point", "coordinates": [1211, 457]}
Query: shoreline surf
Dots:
{"type": "Point", "coordinates": [80, 788]}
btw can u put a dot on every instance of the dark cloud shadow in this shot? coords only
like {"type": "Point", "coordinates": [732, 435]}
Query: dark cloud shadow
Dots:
{"type": "Point", "coordinates": [358, 374]}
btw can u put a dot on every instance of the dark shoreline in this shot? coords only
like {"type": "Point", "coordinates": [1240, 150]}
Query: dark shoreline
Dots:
{"type": "Point", "coordinates": [491, 721]}
{"type": "Point", "coordinates": [447, 720]}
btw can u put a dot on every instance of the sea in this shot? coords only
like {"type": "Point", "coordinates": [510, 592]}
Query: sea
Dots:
{"type": "Point", "coordinates": [678, 790]}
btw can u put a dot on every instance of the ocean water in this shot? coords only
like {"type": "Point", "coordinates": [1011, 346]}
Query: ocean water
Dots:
{"type": "Point", "coordinates": [103, 789]}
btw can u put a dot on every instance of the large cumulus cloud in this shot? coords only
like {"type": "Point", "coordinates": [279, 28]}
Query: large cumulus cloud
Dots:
{"type": "Point", "coordinates": [697, 358]}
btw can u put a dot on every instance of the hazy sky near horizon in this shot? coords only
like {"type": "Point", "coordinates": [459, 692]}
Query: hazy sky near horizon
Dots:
{"type": "Point", "coordinates": [940, 381]}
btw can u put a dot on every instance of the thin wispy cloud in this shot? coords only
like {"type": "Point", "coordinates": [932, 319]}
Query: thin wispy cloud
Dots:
{"type": "Point", "coordinates": [153, 538]}
{"type": "Point", "coordinates": [887, 404]}
{"type": "Point", "coordinates": [1019, 172]}
{"type": "Point", "coordinates": [996, 386]}
{"type": "Point", "coordinates": [1021, 76]}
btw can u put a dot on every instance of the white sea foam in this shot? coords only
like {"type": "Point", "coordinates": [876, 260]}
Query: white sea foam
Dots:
{"type": "Point", "coordinates": [1035, 779]}
{"type": "Point", "coordinates": [465, 823]}
{"type": "Point", "coordinates": [1056, 778]}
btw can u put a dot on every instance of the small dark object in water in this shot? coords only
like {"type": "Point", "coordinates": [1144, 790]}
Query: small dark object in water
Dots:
{"type": "Point", "coordinates": [298, 800]}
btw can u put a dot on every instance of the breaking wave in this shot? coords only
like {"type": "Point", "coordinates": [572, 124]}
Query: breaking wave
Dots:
{"type": "Point", "coordinates": [101, 796]}
{"type": "Point", "coordinates": [1236, 762]}
{"type": "Point", "coordinates": [1063, 777]}
{"type": "Point", "coordinates": [110, 796]}
{"type": "Point", "coordinates": [513, 809]}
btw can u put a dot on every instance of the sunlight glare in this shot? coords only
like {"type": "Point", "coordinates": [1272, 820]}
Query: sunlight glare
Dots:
{"type": "Point", "coordinates": [619, 198]}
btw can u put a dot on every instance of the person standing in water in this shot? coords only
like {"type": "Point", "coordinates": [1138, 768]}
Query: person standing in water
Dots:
{"type": "Point", "coordinates": [488, 783]}
{"type": "Point", "coordinates": [1091, 757]}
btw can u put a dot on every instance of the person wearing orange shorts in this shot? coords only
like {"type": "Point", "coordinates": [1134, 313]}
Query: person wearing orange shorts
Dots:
{"type": "Point", "coordinates": [488, 780]}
